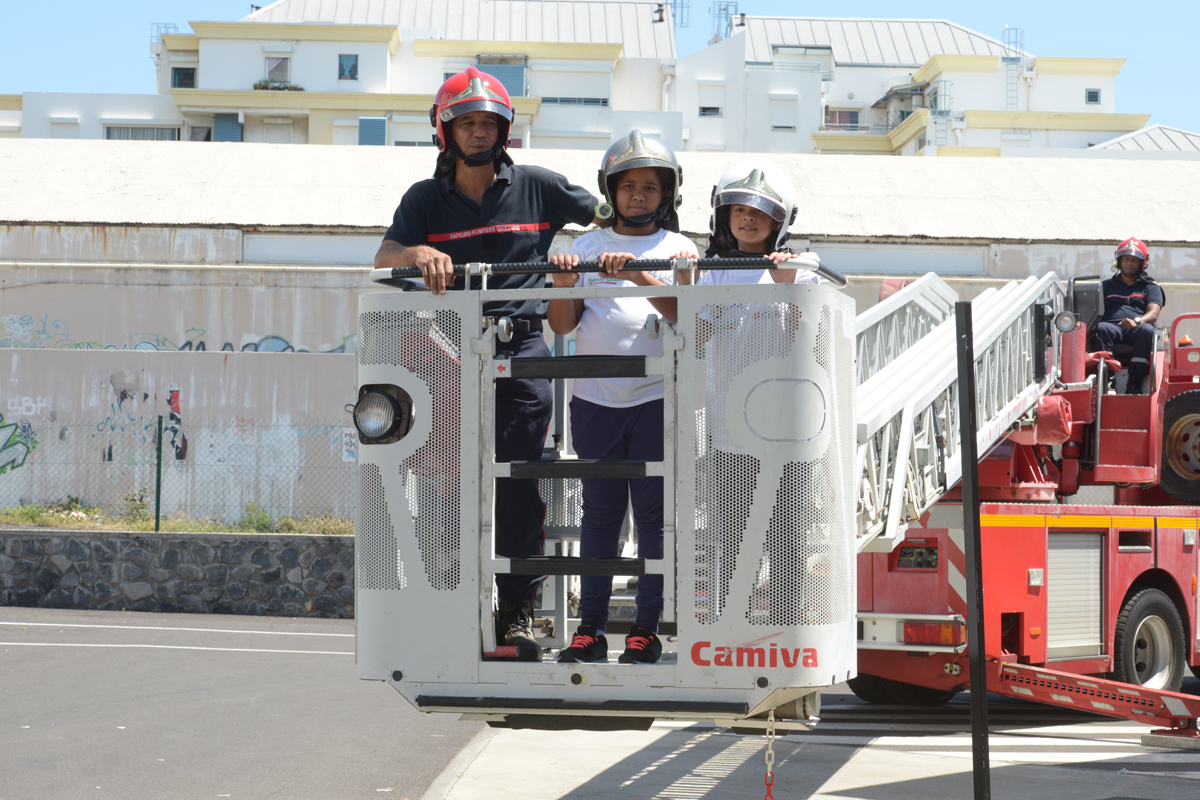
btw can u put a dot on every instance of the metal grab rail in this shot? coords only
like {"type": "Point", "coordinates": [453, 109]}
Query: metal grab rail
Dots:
{"type": "Point", "coordinates": [908, 426]}
{"type": "Point", "coordinates": [387, 275]}
{"type": "Point", "coordinates": [892, 326]}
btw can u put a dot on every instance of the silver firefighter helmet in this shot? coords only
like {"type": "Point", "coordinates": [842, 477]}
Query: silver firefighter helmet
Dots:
{"type": "Point", "coordinates": [641, 150]}
{"type": "Point", "coordinates": [760, 184]}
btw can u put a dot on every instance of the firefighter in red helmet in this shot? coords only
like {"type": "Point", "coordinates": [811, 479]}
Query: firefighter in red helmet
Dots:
{"type": "Point", "coordinates": [1132, 302]}
{"type": "Point", "coordinates": [480, 207]}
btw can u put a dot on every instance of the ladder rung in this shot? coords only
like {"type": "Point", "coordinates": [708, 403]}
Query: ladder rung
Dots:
{"type": "Point", "coordinates": [568, 565]}
{"type": "Point", "coordinates": [581, 468]}
{"type": "Point", "coordinates": [574, 367]}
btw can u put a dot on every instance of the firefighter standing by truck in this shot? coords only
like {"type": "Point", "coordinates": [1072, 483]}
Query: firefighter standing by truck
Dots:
{"type": "Point", "coordinates": [480, 207]}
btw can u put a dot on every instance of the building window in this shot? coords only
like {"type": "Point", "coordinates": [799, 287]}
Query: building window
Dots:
{"type": "Point", "coordinates": [414, 144]}
{"type": "Point", "coordinates": [226, 128]}
{"type": "Point", "coordinates": [1092, 97]}
{"type": "Point", "coordinates": [183, 77]}
{"type": "Point", "coordinates": [348, 68]}
{"type": "Point", "coordinates": [710, 111]}
{"type": "Point", "coordinates": [839, 120]}
{"type": "Point", "coordinates": [277, 69]}
{"type": "Point", "coordinates": [372, 131]}
{"type": "Point", "coordinates": [576, 101]}
{"type": "Point", "coordinates": [141, 134]}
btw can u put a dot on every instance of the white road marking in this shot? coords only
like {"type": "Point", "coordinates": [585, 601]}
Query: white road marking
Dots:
{"type": "Point", "coordinates": [173, 647]}
{"type": "Point", "coordinates": [171, 628]}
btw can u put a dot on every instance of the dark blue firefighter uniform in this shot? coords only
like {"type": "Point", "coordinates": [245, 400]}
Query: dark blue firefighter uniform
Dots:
{"type": "Point", "coordinates": [1122, 301]}
{"type": "Point", "coordinates": [520, 214]}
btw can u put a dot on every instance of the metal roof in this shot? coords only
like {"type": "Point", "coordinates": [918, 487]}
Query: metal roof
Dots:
{"type": "Point", "coordinates": [586, 21]}
{"type": "Point", "coordinates": [867, 42]}
{"type": "Point", "coordinates": [1154, 138]}
{"type": "Point", "coordinates": [55, 181]}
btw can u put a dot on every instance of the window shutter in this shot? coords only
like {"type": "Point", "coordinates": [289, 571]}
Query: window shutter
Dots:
{"type": "Point", "coordinates": [372, 130]}
{"type": "Point", "coordinates": [512, 76]}
{"type": "Point", "coordinates": [226, 128]}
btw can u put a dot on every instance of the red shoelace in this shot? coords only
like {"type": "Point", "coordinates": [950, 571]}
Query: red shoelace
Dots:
{"type": "Point", "coordinates": [583, 640]}
{"type": "Point", "coordinates": [637, 643]}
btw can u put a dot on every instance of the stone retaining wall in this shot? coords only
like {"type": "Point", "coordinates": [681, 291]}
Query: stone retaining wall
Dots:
{"type": "Point", "coordinates": [257, 574]}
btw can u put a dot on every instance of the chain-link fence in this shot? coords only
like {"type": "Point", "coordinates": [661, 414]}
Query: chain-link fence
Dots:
{"type": "Point", "coordinates": [230, 473]}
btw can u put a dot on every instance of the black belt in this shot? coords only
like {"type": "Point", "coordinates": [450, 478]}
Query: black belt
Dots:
{"type": "Point", "coordinates": [527, 325]}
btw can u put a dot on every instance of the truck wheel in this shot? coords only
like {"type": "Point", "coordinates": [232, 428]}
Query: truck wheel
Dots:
{"type": "Point", "coordinates": [909, 694]}
{"type": "Point", "coordinates": [1181, 447]}
{"type": "Point", "coordinates": [1149, 642]}
{"type": "Point", "coordinates": [871, 689]}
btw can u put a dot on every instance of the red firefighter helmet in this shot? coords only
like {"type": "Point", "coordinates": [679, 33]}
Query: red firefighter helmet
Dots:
{"type": "Point", "coordinates": [463, 93]}
{"type": "Point", "coordinates": [1135, 247]}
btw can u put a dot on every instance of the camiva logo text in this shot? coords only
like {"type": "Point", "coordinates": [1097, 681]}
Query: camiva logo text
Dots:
{"type": "Point", "coordinates": [750, 656]}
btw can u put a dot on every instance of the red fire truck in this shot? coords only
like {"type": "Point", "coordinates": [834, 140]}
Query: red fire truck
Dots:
{"type": "Point", "coordinates": [1088, 540]}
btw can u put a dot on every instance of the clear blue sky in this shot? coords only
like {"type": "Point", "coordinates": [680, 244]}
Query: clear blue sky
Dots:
{"type": "Point", "coordinates": [71, 45]}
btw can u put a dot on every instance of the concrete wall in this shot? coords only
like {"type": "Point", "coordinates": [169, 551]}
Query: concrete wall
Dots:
{"type": "Point", "coordinates": [261, 575]}
{"type": "Point", "coordinates": [238, 428]}
{"type": "Point", "coordinates": [120, 244]}
{"type": "Point", "coordinates": [139, 307]}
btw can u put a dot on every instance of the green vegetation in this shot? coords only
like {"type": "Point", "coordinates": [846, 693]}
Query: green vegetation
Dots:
{"type": "Point", "coordinates": [136, 514]}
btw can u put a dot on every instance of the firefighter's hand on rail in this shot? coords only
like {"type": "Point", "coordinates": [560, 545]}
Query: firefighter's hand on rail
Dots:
{"type": "Point", "coordinates": [563, 278]}
{"type": "Point", "coordinates": [436, 267]}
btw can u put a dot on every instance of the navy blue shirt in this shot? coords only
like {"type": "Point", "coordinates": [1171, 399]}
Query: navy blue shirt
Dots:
{"type": "Point", "coordinates": [522, 211]}
{"type": "Point", "coordinates": [1122, 301]}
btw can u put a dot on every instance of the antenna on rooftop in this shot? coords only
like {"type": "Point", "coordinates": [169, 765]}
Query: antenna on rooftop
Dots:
{"type": "Point", "coordinates": [722, 15]}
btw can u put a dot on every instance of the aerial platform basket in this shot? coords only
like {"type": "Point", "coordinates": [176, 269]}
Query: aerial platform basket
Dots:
{"type": "Point", "coordinates": [760, 524]}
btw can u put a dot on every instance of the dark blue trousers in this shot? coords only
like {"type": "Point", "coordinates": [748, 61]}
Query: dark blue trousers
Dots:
{"type": "Point", "coordinates": [1108, 334]}
{"type": "Point", "coordinates": [636, 434]}
{"type": "Point", "coordinates": [523, 411]}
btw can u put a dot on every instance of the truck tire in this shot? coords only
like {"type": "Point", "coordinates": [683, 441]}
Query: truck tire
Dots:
{"type": "Point", "coordinates": [1181, 447]}
{"type": "Point", "coordinates": [871, 689]}
{"type": "Point", "coordinates": [909, 694]}
{"type": "Point", "coordinates": [1148, 648]}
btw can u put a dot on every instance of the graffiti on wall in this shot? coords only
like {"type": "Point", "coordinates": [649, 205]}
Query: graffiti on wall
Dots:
{"type": "Point", "coordinates": [42, 332]}
{"type": "Point", "coordinates": [29, 331]}
{"type": "Point", "coordinates": [17, 441]}
{"type": "Point", "coordinates": [26, 406]}
{"type": "Point", "coordinates": [126, 417]}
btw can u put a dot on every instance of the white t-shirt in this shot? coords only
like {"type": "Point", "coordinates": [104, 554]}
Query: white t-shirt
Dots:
{"type": "Point", "coordinates": [616, 326]}
{"type": "Point", "coordinates": [743, 333]}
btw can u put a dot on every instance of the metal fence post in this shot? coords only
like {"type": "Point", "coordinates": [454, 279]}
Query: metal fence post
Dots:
{"type": "Point", "coordinates": [158, 479]}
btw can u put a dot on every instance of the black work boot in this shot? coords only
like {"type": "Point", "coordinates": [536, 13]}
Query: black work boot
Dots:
{"type": "Point", "coordinates": [514, 628]}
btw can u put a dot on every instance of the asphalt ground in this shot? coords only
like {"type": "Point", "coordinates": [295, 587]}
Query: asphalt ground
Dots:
{"type": "Point", "coordinates": [124, 705]}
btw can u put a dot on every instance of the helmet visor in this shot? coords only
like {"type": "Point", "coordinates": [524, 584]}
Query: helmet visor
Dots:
{"type": "Point", "coordinates": [480, 104]}
{"type": "Point", "coordinates": [757, 201]}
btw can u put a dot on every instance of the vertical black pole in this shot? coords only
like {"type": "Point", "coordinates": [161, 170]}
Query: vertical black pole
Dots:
{"type": "Point", "coordinates": [968, 428]}
{"type": "Point", "coordinates": [158, 479]}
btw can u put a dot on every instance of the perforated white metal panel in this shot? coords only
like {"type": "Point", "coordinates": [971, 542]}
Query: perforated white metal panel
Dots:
{"type": "Point", "coordinates": [427, 344]}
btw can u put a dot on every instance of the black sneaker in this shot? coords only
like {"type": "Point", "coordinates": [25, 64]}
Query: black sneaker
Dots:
{"type": "Point", "coordinates": [586, 646]}
{"type": "Point", "coordinates": [641, 647]}
{"type": "Point", "coordinates": [514, 628]}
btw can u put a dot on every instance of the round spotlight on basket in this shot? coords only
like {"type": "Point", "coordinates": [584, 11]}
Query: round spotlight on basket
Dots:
{"type": "Point", "coordinates": [1065, 321]}
{"type": "Point", "coordinates": [377, 415]}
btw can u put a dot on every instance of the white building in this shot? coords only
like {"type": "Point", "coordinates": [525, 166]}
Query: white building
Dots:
{"type": "Point", "coordinates": [584, 72]}
{"type": "Point", "coordinates": [891, 87]}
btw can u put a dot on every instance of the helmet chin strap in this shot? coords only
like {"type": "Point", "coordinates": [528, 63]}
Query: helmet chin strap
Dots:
{"type": "Point", "coordinates": [640, 221]}
{"type": "Point", "coordinates": [479, 159]}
